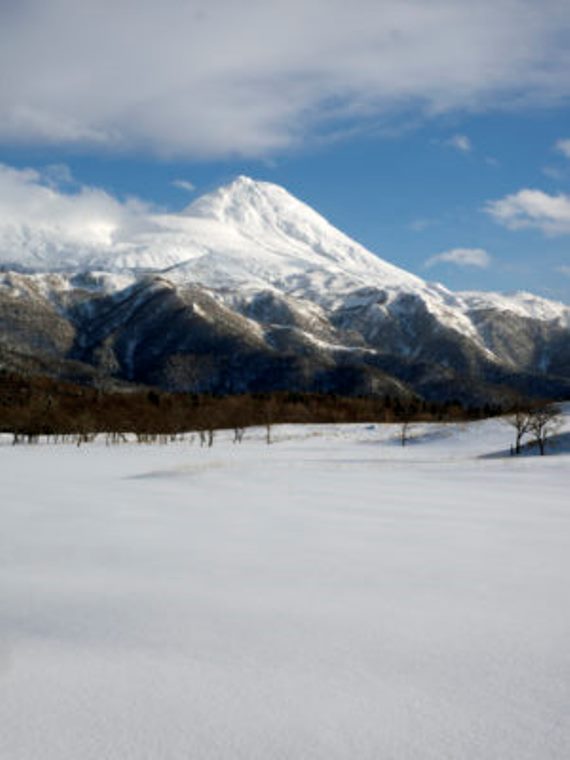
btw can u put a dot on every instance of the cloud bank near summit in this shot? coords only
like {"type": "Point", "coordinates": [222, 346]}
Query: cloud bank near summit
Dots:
{"type": "Point", "coordinates": [37, 218]}
{"type": "Point", "coordinates": [235, 78]}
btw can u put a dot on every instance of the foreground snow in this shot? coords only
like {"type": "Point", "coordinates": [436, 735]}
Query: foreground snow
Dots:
{"type": "Point", "coordinates": [330, 596]}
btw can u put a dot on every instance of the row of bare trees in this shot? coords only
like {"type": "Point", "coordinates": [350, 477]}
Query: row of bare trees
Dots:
{"type": "Point", "coordinates": [535, 422]}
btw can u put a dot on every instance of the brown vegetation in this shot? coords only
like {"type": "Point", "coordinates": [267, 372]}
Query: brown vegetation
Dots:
{"type": "Point", "coordinates": [34, 406]}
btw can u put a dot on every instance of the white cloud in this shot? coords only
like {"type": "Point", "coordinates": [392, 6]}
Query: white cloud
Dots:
{"type": "Point", "coordinates": [565, 270]}
{"type": "Point", "coordinates": [533, 209]}
{"type": "Point", "coordinates": [184, 184]}
{"type": "Point", "coordinates": [461, 143]}
{"type": "Point", "coordinates": [563, 146]}
{"type": "Point", "coordinates": [40, 222]}
{"type": "Point", "coordinates": [462, 257]}
{"type": "Point", "coordinates": [236, 77]}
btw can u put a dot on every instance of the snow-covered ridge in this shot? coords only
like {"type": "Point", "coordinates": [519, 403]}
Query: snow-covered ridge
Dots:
{"type": "Point", "coordinates": [246, 237]}
{"type": "Point", "coordinates": [255, 228]}
{"type": "Point", "coordinates": [521, 304]}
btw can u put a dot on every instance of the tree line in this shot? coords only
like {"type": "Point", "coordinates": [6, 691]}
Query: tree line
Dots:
{"type": "Point", "coordinates": [33, 407]}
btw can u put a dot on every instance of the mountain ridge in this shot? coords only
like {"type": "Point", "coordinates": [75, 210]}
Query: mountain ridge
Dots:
{"type": "Point", "coordinates": [250, 271]}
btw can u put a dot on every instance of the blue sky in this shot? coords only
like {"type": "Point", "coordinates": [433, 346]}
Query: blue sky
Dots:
{"type": "Point", "coordinates": [432, 133]}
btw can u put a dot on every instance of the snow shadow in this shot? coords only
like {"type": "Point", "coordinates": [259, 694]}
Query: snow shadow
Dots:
{"type": "Point", "coordinates": [421, 436]}
{"type": "Point", "coordinates": [558, 444]}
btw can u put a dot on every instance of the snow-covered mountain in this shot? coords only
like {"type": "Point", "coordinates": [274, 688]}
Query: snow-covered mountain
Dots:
{"type": "Point", "coordinates": [249, 287]}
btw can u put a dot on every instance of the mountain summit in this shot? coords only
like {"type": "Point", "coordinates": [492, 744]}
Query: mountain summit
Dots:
{"type": "Point", "coordinates": [246, 202]}
{"type": "Point", "coordinates": [263, 231]}
{"type": "Point", "coordinates": [272, 217]}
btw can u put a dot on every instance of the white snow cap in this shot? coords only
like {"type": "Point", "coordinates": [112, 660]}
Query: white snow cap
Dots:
{"type": "Point", "coordinates": [248, 234]}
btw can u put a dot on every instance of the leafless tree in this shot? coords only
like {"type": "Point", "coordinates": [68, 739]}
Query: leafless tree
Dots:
{"type": "Point", "coordinates": [405, 429]}
{"type": "Point", "coordinates": [544, 421]}
{"type": "Point", "coordinates": [269, 414]}
{"type": "Point", "coordinates": [520, 420]}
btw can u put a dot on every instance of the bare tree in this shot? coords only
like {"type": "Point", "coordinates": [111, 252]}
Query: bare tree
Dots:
{"type": "Point", "coordinates": [407, 415]}
{"type": "Point", "coordinates": [544, 420]}
{"type": "Point", "coordinates": [405, 429]}
{"type": "Point", "coordinates": [269, 414]}
{"type": "Point", "coordinates": [519, 420]}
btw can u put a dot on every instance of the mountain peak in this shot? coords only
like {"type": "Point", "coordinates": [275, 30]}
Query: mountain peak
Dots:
{"type": "Point", "coordinates": [246, 201]}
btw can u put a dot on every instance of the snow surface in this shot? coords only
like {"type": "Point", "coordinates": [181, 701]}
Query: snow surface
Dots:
{"type": "Point", "coordinates": [333, 595]}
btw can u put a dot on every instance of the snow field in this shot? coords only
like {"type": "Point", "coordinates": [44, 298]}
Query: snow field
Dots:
{"type": "Point", "coordinates": [333, 595]}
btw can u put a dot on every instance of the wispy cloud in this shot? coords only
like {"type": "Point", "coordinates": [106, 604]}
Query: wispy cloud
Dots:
{"type": "Point", "coordinates": [184, 184]}
{"type": "Point", "coordinates": [564, 269]}
{"type": "Point", "coordinates": [563, 146]}
{"type": "Point", "coordinates": [461, 143]}
{"type": "Point", "coordinates": [57, 175]}
{"type": "Point", "coordinates": [533, 209]}
{"type": "Point", "coordinates": [421, 224]}
{"type": "Point", "coordinates": [461, 257]}
{"type": "Point", "coordinates": [225, 80]}
{"type": "Point", "coordinates": [553, 172]}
